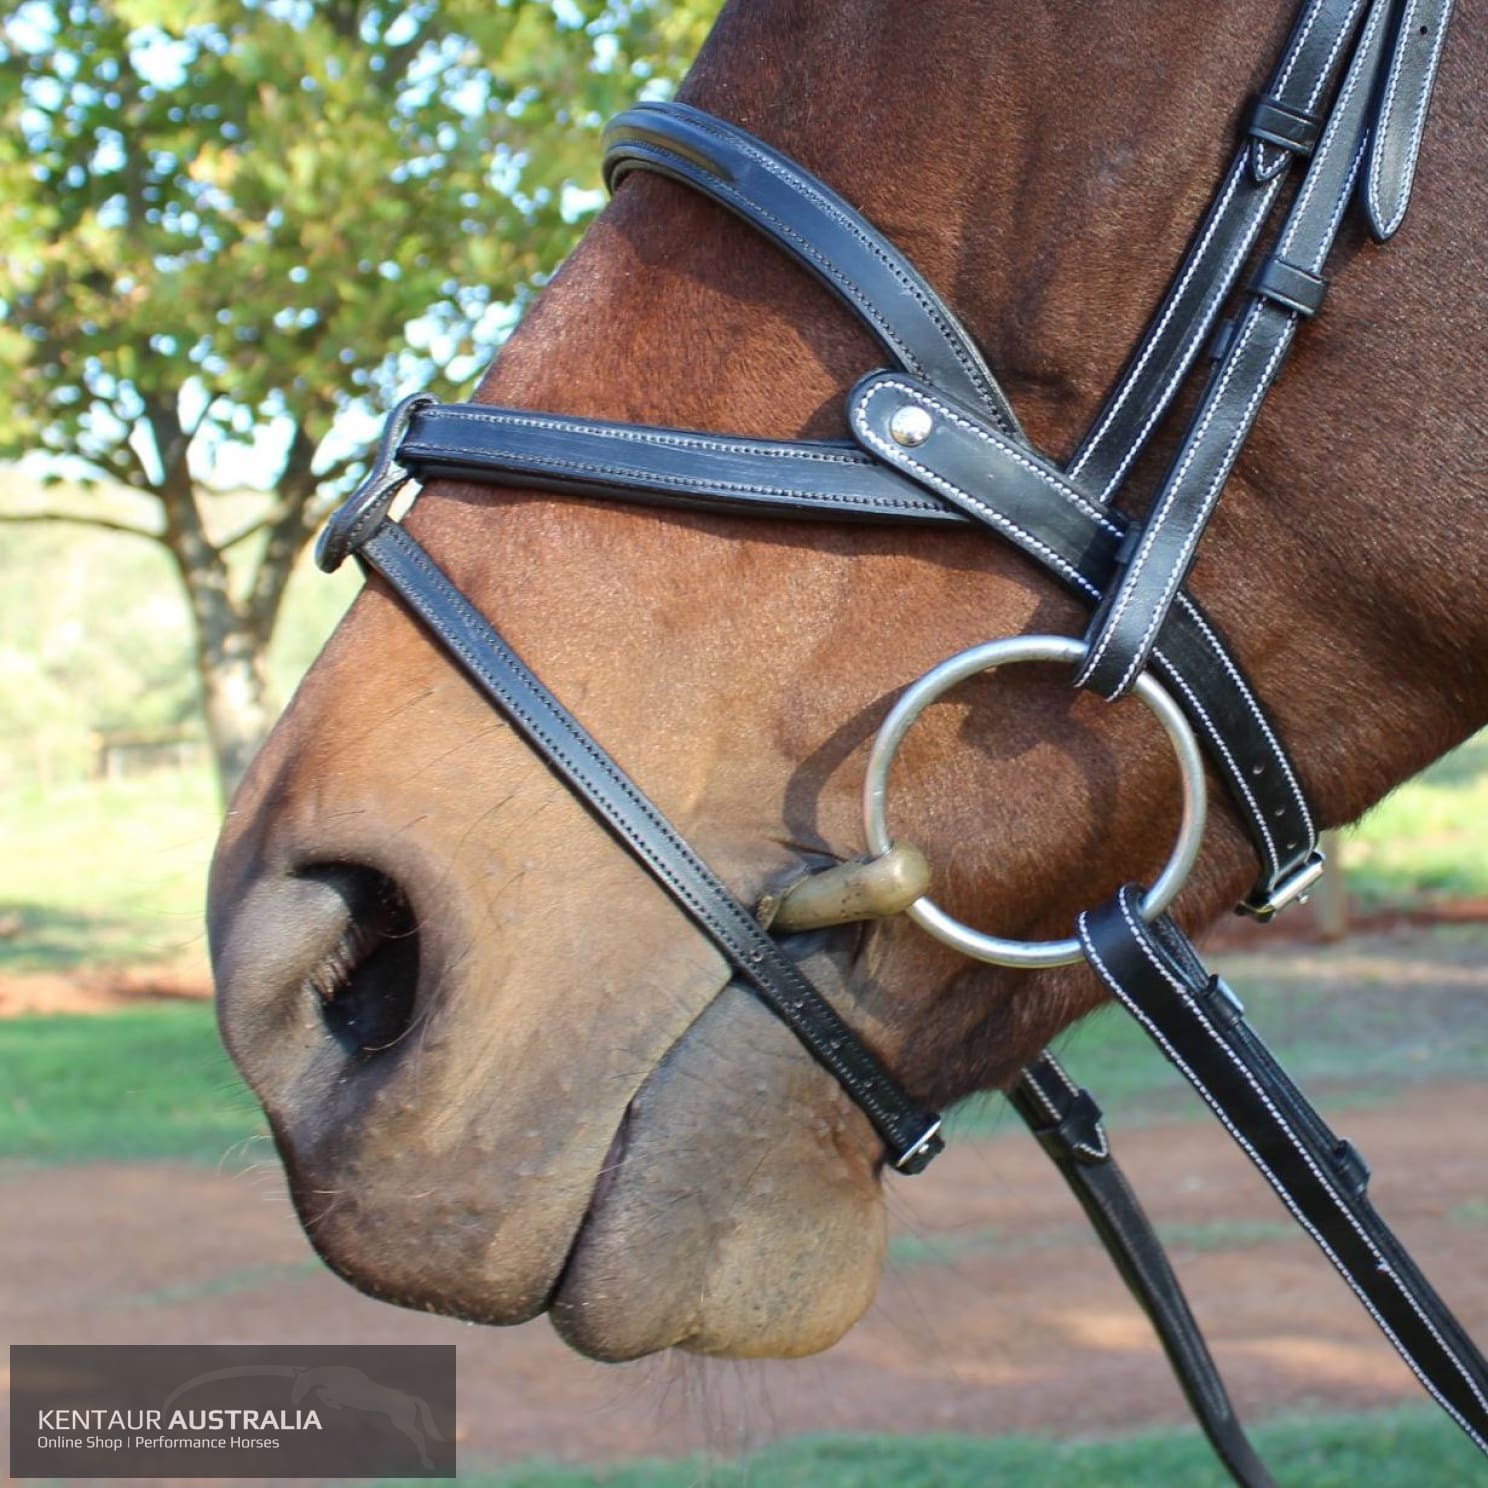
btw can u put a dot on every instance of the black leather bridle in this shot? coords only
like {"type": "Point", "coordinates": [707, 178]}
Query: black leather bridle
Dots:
{"type": "Point", "coordinates": [936, 442]}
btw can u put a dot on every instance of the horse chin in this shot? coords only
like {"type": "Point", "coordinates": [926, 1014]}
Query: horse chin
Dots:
{"type": "Point", "coordinates": [739, 1212]}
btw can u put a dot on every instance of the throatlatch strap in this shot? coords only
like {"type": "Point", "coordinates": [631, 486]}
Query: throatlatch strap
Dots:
{"type": "Point", "coordinates": [1200, 1025]}
{"type": "Point", "coordinates": [1067, 1123]}
{"type": "Point", "coordinates": [567, 748]}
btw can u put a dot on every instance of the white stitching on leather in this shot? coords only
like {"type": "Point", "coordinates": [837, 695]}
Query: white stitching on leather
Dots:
{"type": "Point", "coordinates": [1150, 342]}
{"type": "Point", "coordinates": [1327, 67]}
{"type": "Point", "coordinates": [646, 434]}
{"type": "Point", "coordinates": [1272, 181]}
{"type": "Point", "coordinates": [1331, 134]}
{"type": "Point", "coordinates": [1227, 661]}
{"type": "Point", "coordinates": [1418, 123]}
{"type": "Point", "coordinates": [1265, 164]}
{"type": "Point", "coordinates": [1273, 1179]}
{"type": "Point", "coordinates": [1295, 55]}
{"type": "Point", "coordinates": [1222, 289]}
{"type": "Point", "coordinates": [896, 455]}
{"type": "Point", "coordinates": [561, 735]}
{"type": "Point", "coordinates": [1345, 191]}
{"type": "Point", "coordinates": [1387, 107]}
{"type": "Point", "coordinates": [1030, 1084]}
{"type": "Point", "coordinates": [1197, 525]}
{"type": "Point", "coordinates": [691, 481]}
{"type": "Point", "coordinates": [1159, 517]}
{"type": "Point", "coordinates": [957, 342]}
{"type": "Point", "coordinates": [1013, 452]}
{"type": "Point", "coordinates": [1174, 487]}
{"type": "Point", "coordinates": [1237, 774]}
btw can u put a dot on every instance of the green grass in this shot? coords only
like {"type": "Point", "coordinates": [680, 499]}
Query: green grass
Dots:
{"type": "Point", "coordinates": [106, 874]}
{"type": "Point", "coordinates": [150, 1083]}
{"type": "Point", "coordinates": [1429, 839]}
{"type": "Point", "coordinates": [1395, 1449]}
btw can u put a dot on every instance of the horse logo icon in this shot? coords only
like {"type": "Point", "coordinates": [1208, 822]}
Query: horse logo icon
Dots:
{"type": "Point", "coordinates": [340, 1387]}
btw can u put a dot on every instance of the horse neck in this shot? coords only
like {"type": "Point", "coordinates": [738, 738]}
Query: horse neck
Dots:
{"type": "Point", "coordinates": [1044, 165]}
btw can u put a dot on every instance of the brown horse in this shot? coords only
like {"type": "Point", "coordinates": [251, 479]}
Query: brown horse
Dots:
{"type": "Point", "coordinates": [570, 1105]}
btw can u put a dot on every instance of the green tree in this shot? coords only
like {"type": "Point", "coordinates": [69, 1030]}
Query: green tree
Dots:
{"type": "Point", "coordinates": [255, 225]}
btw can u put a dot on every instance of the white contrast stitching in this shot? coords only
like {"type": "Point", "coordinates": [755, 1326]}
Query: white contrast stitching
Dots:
{"type": "Point", "coordinates": [1243, 686]}
{"type": "Point", "coordinates": [692, 481]}
{"type": "Point", "coordinates": [637, 434]}
{"type": "Point", "coordinates": [1221, 291]}
{"type": "Point", "coordinates": [1013, 452]}
{"type": "Point", "coordinates": [1331, 134]}
{"type": "Point", "coordinates": [1418, 123]}
{"type": "Point", "coordinates": [1272, 1178]}
{"type": "Point", "coordinates": [1237, 774]}
{"type": "Point", "coordinates": [1158, 519]}
{"type": "Point", "coordinates": [561, 735]}
{"type": "Point", "coordinates": [1295, 55]}
{"type": "Point", "coordinates": [896, 455]}
{"type": "Point", "coordinates": [1268, 167]}
{"type": "Point", "coordinates": [957, 343]}
{"type": "Point", "coordinates": [1211, 495]}
{"type": "Point", "coordinates": [1345, 191]}
{"type": "Point", "coordinates": [1150, 344]}
{"type": "Point", "coordinates": [1387, 108]}
{"type": "Point", "coordinates": [1327, 67]}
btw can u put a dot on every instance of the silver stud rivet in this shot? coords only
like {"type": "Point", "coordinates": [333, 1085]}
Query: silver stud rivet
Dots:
{"type": "Point", "coordinates": [911, 425]}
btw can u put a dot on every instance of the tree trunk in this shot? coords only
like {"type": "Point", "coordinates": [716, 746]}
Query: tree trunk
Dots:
{"type": "Point", "coordinates": [232, 671]}
{"type": "Point", "coordinates": [237, 701]}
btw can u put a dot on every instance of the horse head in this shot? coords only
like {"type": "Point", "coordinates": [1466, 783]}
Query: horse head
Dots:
{"type": "Point", "coordinates": [504, 1071]}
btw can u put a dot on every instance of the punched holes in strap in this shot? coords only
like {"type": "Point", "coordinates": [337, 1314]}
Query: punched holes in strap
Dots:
{"type": "Point", "coordinates": [1279, 124]}
{"type": "Point", "coordinates": [1290, 286]}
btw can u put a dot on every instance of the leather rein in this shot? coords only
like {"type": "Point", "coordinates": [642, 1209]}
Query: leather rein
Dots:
{"type": "Point", "coordinates": [936, 442]}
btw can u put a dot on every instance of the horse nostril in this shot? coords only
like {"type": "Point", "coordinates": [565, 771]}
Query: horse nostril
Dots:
{"type": "Point", "coordinates": [366, 983]}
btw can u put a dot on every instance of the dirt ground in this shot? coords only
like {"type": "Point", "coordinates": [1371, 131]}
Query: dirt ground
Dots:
{"type": "Point", "coordinates": [999, 1314]}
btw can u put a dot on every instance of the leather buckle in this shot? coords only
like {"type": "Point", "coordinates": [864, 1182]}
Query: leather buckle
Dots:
{"type": "Point", "coordinates": [919, 1157]}
{"type": "Point", "coordinates": [1290, 890]}
{"type": "Point", "coordinates": [362, 513]}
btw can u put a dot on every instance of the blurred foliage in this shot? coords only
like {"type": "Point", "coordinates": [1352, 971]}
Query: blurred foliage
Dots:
{"type": "Point", "coordinates": [288, 205]}
{"type": "Point", "coordinates": [246, 228]}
